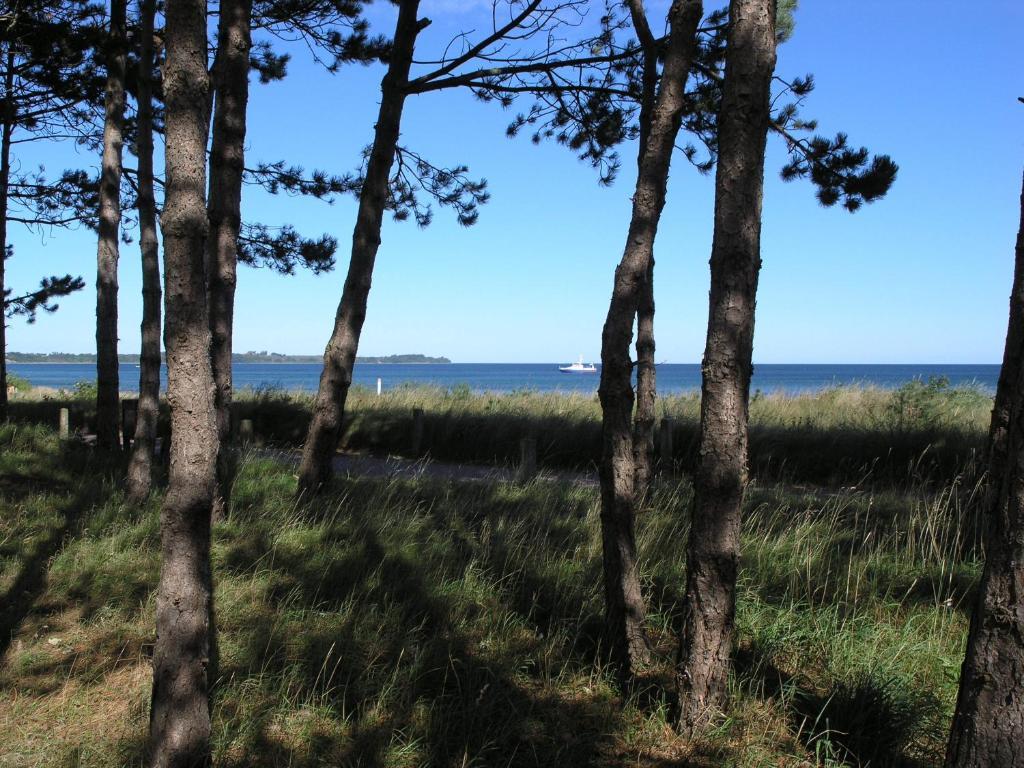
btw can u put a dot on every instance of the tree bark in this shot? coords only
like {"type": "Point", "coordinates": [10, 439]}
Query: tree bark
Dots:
{"type": "Point", "coordinates": [180, 713]}
{"type": "Point", "coordinates": [989, 719]}
{"type": "Point", "coordinates": [646, 389]}
{"type": "Point", "coordinates": [224, 211]}
{"type": "Point", "coordinates": [721, 477]}
{"type": "Point", "coordinates": [1013, 352]}
{"type": "Point", "coordinates": [140, 467]}
{"type": "Point", "coordinates": [107, 385]}
{"type": "Point", "coordinates": [624, 606]}
{"type": "Point", "coordinates": [339, 357]}
{"type": "Point", "coordinates": [6, 129]}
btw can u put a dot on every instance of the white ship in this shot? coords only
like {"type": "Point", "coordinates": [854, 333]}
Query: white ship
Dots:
{"type": "Point", "coordinates": [578, 367]}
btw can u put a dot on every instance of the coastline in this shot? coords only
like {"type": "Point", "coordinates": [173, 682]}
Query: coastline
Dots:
{"type": "Point", "coordinates": [511, 378]}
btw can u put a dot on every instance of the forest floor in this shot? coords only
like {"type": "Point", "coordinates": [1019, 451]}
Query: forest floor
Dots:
{"type": "Point", "coordinates": [412, 619]}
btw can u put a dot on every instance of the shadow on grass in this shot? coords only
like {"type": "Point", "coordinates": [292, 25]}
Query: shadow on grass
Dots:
{"type": "Point", "coordinates": [414, 623]}
{"type": "Point", "coordinates": [435, 687]}
{"type": "Point", "coordinates": [791, 453]}
{"type": "Point", "coordinates": [72, 469]}
{"type": "Point", "coordinates": [129, 752]}
{"type": "Point", "coordinates": [888, 451]}
{"type": "Point", "coordinates": [30, 581]}
{"type": "Point", "coordinates": [868, 720]}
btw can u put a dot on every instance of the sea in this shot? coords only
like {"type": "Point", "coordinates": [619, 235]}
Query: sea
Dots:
{"type": "Point", "coordinates": [541, 377]}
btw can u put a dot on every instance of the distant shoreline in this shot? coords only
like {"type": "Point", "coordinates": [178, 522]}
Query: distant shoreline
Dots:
{"type": "Point", "coordinates": [371, 361]}
{"type": "Point", "coordinates": [57, 358]}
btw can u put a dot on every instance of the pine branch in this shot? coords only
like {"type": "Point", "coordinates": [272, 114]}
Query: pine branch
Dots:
{"type": "Point", "coordinates": [475, 50]}
{"type": "Point", "coordinates": [28, 305]}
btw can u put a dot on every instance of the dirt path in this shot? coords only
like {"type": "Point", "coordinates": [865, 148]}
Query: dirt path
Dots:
{"type": "Point", "coordinates": [367, 465]}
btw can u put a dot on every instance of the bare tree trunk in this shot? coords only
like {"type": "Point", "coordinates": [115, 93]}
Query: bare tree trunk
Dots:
{"type": "Point", "coordinates": [107, 385]}
{"type": "Point", "coordinates": [140, 467]}
{"type": "Point", "coordinates": [6, 129]}
{"type": "Point", "coordinates": [339, 357]}
{"type": "Point", "coordinates": [999, 428]}
{"type": "Point", "coordinates": [180, 713]}
{"type": "Point", "coordinates": [989, 720]}
{"type": "Point", "coordinates": [646, 389]}
{"type": "Point", "coordinates": [713, 553]}
{"type": "Point", "coordinates": [224, 210]}
{"type": "Point", "coordinates": [624, 606]}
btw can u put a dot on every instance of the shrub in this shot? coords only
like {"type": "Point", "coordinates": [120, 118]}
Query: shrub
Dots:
{"type": "Point", "coordinates": [18, 383]}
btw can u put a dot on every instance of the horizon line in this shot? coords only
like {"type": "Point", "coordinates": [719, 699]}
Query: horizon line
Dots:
{"type": "Point", "coordinates": [515, 362]}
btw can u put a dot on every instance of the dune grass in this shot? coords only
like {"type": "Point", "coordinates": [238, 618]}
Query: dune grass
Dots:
{"type": "Point", "coordinates": [409, 623]}
{"type": "Point", "coordinates": [844, 435]}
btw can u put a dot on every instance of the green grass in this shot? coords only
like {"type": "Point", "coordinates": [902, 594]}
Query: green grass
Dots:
{"type": "Point", "coordinates": [845, 435]}
{"type": "Point", "coordinates": [409, 623]}
{"type": "Point", "coordinates": [840, 435]}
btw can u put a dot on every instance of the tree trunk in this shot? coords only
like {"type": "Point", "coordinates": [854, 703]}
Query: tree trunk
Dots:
{"type": "Point", "coordinates": [140, 467]}
{"type": "Point", "coordinates": [6, 129]}
{"type": "Point", "coordinates": [339, 357]}
{"type": "Point", "coordinates": [989, 718]}
{"type": "Point", "coordinates": [107, 385]}
{"type": "Point", "coordinates": [624, 607]}
{"type": "Point", "coordinates": [721, 477]}
{"type": "Point", "coordinates": [646, 390]}
{"type": "Point", "coordinates": [999, 428]}
{"type": "Point", "coordinates": [180, 713]}
{"type": "Point", "coordinates": [224, 210]}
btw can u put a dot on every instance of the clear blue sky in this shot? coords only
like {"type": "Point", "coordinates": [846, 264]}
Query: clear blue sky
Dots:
{"type": "Point", "coordinates": [921, 276]}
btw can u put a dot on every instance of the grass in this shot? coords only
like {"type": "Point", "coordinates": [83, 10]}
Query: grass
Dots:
{"type": "Point", "coordinates": [409, 623]}
{"type": "Point", "coordinates": [844, 435]}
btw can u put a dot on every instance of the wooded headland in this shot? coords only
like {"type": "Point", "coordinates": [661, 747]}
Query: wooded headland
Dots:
{"type": "Point", "coordinates": [245, 357]}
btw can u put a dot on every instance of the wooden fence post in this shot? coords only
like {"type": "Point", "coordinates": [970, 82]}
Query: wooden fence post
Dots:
{"type": "Point", "coordinates": [64, 424]}
{"type": "Point", "coordinates": [417, 431]}
{"type": "Point", "coordinates": [527, 460]}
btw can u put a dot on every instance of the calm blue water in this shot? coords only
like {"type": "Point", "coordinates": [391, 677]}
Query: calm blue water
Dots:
{"type": "Point", "coordinates": [505, 377]}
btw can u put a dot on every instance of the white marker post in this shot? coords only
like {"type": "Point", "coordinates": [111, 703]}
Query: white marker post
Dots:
{"type": "Point", "coordinates": [379, 380]}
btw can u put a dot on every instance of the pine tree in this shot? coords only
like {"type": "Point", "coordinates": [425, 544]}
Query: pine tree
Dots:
{"type": "Point", "coordinates": [109, 218]}
{"type": "Point", "coordinates": [646, 373]}
{"type": "Point", "coordinates": [394, 176]}
{"type": "Point", "coordinates": [180, 709]}
{"type": "Point", "coordinates": [140, 466]}
{"type": "Point", "coordinates": [713, 551]}
{"type": "Point", "coordinates": [594, 111]}
{"type": "Point", "coordinates": [989, 717]}
{"type": "Point", "coordinates": [339, 358]}
{"type": "Point", "coordinates": [336, 32]}
{"type": "Point", "coordinates": [333, 28]}
{"type": "Point", "coordinates": [230, 81]}
{"type": "Point", "coordinates": [46, 87]}
{"type": "Point", "coordinates": [841, 174]}
{"type": "Point", "coordinates": [624, 605]}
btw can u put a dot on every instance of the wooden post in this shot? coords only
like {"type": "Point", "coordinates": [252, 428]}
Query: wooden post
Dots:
{"type": "Point", "coordinates": [417, 431]}
{"type": "Point", "coordinates": [64, 424]}
{"type": "Point", "coordinates": [129, 417]}
{"type": "Point", "coordinates": [246, 433]}
{"type": "Point", "coordinates": [527, 460]}
{"type": "Point", "coordinates": [666, 459]}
